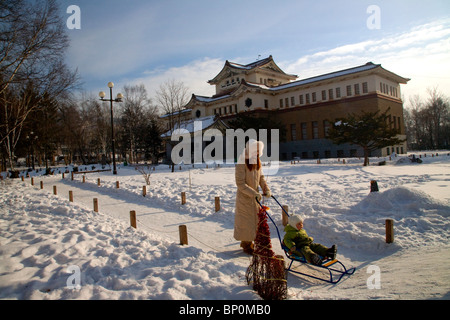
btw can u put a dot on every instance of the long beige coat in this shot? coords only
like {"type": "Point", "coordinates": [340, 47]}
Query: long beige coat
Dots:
{"type": "Point", "coordinates": [246, 218]}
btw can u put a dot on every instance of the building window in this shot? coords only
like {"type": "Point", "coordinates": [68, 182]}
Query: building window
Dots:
{"type": "Point", "coordinates": [365, 87]}
{"type": "Point", "coordinates": [315, 127]}
{"type": "Point", "coordinates": [314, 97]}
{"type": "Point", "coordinates": [326, 127]}
{"type": "Point", "coordinates": [307, 98]}
{"type": "Point", "coordinates": [304, 131]}
{"type": "Point", "coordinates": [293, 132]}
{"type": "Point", "coordinates": [301, 99]}
{"type": "Point", "coordinates": [330, 94]}
{"type": "Point", "coordinates": [292, 101]}
{"type": "Point", "coordinates": [286, 100]}
{"type": "Point", "coordinates": [231, 109]}
{"type": "Point", "coordinates": [349, 91]}
{"type": "Point", "coordinates": [266, 103]}
{"type": "Point", "coordinates": [281, 103]}
{"type": "Point", "coordinates": [357, 89]}
{"type": "Point", "coordinates": [324, 95]}
{"type": "Point", "coordinates": [338, 92]}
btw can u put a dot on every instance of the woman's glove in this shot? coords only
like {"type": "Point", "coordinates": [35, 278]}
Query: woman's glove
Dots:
{"type": "Point", "coordinates": [267, 194]}
{"type": "Point", "coordinates": [258, 197]}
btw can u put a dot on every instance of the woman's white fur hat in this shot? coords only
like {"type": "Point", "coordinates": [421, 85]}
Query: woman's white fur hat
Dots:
{"type": "Point", "coordinates": [253, 146]}
{"type": "Point", "coordinates": [294, 219]}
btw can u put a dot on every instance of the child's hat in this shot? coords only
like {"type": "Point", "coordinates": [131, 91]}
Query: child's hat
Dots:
{"type": "Point", "coordinates": [294, 219]}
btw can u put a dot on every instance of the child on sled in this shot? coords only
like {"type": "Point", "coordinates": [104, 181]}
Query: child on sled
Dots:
{"type": "Point", "coordinates": [299, 243]}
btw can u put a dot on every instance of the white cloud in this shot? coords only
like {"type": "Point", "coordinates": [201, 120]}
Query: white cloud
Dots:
{"type": "Point", "coordinates": [422, 54]}
{"type": "Point", "coordinates": [194, 75]}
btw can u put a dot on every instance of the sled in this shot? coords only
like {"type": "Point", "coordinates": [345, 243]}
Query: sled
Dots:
{"type": "Point", "coordinates": [336, 269]}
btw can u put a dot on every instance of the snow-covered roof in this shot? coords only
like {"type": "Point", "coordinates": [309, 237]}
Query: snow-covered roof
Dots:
{"type": "Point", "coordinates": [190, 126]}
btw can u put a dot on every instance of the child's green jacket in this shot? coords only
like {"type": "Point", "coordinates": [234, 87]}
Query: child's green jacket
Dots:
{"type": "Point", "coordinates": [295, 237]}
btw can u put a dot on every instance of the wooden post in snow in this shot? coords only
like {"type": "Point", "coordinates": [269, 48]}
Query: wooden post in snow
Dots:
{"type": "Point", "coordinates": [389, 230]}
{"type": "Point", "coordinates": [71, 196]}
{"type": "Point", "coordinates": [183, 235]}
{"type": "Point", "coordinates": [117, 184]}
{"type": "Point", "coordinates": [95, 204]}
{"type": "Point", "coordinates": [284, 216]}
{"type": "Point", "coordinates": [217, 203]}
{"type": "Point", "coordinates": [144, 191]}
{"type": "Point", "coordinates": [183, 198]}
{"type": "Point", "coordinates": [54, 190]}
{"type": "Point", "coordinates": [133, 219]}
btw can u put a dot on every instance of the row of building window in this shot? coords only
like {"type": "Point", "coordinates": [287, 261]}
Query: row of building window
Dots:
{"type": "Point", "coordinates": [387, 89]}
{"type": "Point", "coordinates": [329, 94]}
{"type": "Point", "coordinates": [314, 133]}
{"type": "Point", "coordinates": [307, 98]}
{"type": "Point", "coordinates": [353, 153]}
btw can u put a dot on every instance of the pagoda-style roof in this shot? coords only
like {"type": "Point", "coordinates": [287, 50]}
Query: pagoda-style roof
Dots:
{"type": "Point", "coordinates": [267, 64]}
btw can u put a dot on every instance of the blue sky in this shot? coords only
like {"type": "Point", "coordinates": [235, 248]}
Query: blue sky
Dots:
{"type": "Point", "coordinates": [137, 41]}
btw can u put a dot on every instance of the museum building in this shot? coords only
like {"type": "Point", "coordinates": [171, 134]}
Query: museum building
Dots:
{"type": "Point", "coordinates": [307, 107]}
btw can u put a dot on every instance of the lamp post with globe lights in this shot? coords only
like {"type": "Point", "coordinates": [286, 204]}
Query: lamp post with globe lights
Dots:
{"type": "Point", "coordinates": [119, 98]}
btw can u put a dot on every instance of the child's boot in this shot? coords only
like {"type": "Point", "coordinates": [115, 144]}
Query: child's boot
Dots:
{"type": "Point", "coordinates": [332, 252]}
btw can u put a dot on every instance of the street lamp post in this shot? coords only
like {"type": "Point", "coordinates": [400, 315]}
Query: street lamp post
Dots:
{"type": "Point", "coordinates": [119, 98]}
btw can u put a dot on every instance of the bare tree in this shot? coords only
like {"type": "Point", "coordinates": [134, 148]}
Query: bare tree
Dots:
{"type": "Point", "coordinates": [172, 96]}
{"type": "Point", "coordinates": [32, 47]}
{"type": "Point", "coordinates": [428, 122]}
{"type": "Point", "coordinates": [137, 111]}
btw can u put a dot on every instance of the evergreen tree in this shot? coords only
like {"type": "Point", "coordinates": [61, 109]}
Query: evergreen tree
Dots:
{"type": "Point", "coordinates": [369, 130]}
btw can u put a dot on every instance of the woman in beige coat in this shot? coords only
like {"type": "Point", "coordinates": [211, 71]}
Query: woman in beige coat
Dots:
{"type": "Point", "coordinates": [249, 178]}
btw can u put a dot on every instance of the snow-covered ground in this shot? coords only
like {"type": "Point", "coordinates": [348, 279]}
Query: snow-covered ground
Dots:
{"type": "Point", "coordinates": [49, 245]}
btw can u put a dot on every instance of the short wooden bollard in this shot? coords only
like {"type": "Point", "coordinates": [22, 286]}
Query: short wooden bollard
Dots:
{"type": "Point", "coordinates": [23, 178]}
{"type": "Point", "coordinates": [183, 235]}
{"type": "Point", "coordinates": [117, 184]}
{"type": "Point", "coordinates": [217, 203]}
{"type": "Point", "coordinates": [63, 175]}
{"type": "Point", "coordinates": [42, 184]}
{"type": "Point", "coordinates": [95, 204]}
{"type": "Point", "coordinates": [373, 186]}
{"type": "Point", "coordinates": [71, 196]}
{"type": "Point", "coordinates": [284, 216]}
{"type": "Point", "coordinates": [84, 178]}
{"type": "Point", "coordinates": [144, 191]}
{"type": "Point", "coordinates": [133, 219]}
{"type": "Point", "coordinates": [183, 198]}
{"type": "Point", "coordinates": [32, 181]}
{"type": "Point", "coordinates": [98, 182]}
{"type": "Point", "coordinates": [71, 174]}
{"type": "Point", "coordinates": [389, 230]}
{"type": "Point", "coordinates": [54, 190]}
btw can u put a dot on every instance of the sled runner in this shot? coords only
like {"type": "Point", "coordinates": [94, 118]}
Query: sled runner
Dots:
{"type": "Point", "coordinates": [335, 268]}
